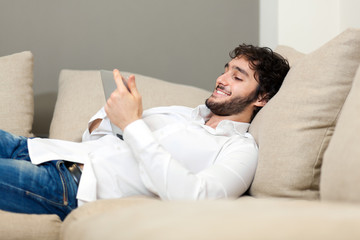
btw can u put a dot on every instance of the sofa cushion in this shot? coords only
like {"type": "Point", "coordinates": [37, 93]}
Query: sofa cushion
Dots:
{"type": "Point", "coordinates": [292, 55]}
{"type": "Point", "coordinates": [16, 94]}
{"type": "Point", "coordinates": [29, 226]}
{"type": "Point", "coordinates": [247, 218]}
{"type": "Point", "coordinates": [99, 207]}
{"type": "Point", "coordinates": [293, 130]}
{"type": "Point", "coordinates": [81, 95]}
{"type": "Point", "coordinates": [340, 172]}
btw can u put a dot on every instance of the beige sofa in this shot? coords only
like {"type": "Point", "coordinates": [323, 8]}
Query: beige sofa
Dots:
{"type": "Point", "coordinates": [306, 184]}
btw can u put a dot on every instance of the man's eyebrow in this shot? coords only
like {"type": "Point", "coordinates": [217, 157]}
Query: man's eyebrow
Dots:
{"type": "Point", "coordinates": [238, 69]}
{"type": "Point", "coordinates": [241, 70]}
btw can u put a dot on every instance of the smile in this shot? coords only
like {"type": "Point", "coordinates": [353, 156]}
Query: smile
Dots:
{"type": "Point", "coordinates": [221, 91]}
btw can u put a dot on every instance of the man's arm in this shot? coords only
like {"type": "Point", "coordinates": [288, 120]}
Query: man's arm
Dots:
{"type": "Point", "coordinates": [229, 177]}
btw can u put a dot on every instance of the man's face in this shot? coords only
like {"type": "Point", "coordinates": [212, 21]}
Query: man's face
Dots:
{"type": "Point", "coordinates": [235, 89]}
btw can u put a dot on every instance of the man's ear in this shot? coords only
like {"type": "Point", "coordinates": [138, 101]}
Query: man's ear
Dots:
{"type": "Point", "coordinates": [261, 100]}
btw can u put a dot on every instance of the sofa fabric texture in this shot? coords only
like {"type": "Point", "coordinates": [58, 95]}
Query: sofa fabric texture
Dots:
{"type": "Point", "coordinates": [292, 55]}
{"type": "Point", "coordinates": [29, 226]}
{"type": "Point", "coordinates": [17, 98]}
{"type": "Point", "coordinates": [340, 174]}
{"type": "Point", "coordinates": [294, 129]}
{"type": "Point", "coordinates": [80, 96]}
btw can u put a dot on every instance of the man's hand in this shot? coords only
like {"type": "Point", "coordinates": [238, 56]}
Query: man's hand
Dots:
{"type": "Point", "coordinates": [124, 106]}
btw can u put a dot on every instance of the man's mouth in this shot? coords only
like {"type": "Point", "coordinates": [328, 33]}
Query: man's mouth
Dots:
{"type": "Point", "coordinates": [221, 91]}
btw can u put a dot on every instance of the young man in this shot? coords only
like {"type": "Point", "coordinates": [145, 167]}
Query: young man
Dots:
{"type": "Point", "coordinates": [167, 152]}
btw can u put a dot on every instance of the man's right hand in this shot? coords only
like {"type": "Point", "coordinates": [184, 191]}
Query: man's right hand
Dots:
{"type": "Point", "coordinates": [123, 106]}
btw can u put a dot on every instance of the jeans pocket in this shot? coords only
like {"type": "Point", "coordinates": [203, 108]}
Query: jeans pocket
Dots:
{"type": "Point", "coordinates": [55, 190]}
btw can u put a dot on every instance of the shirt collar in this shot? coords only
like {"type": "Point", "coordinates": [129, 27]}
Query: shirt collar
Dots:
{"type": "Point", "coordinates": [225, 127]}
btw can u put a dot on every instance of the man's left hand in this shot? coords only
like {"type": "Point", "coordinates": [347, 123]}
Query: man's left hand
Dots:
{"type": "Point", "coordinates": [124, 106]}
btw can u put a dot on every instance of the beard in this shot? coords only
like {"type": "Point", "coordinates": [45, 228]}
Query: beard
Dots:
{"type": "Point", "coordinates": [231, 106]}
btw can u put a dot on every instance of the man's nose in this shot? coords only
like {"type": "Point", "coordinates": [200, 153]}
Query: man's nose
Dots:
{"type": "Point", "coordinates": [223, 79]}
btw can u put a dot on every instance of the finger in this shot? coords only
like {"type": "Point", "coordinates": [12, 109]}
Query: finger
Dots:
{"type": "Point", "coordinates": [119, 80]}
{"type": "Point", "coordinates": [132, 85]}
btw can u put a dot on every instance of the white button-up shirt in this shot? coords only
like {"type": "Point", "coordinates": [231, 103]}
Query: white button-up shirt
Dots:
{"type": "Point", "coordinates": [169, 153]}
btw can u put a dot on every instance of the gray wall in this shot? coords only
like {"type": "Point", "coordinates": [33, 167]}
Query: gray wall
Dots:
{"type": "Point", "coordinates": [184, 41]}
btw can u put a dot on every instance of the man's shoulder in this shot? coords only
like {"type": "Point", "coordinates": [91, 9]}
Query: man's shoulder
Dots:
{"type": "Point", "coordinates": [244, 140]}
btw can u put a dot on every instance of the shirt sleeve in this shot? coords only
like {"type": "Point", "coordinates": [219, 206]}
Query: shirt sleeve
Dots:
{"type": "Point", "coordinates": [229, 177]}
{"type": "Point", "coordinates": [103, 129]}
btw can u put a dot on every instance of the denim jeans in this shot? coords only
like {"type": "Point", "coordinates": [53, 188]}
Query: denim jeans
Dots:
{"type": "Point", "coordinates": [47, 188]}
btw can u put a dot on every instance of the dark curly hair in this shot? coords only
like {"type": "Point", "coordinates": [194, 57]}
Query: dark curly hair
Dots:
{"type": "Point", "coordinates": [270, 69]}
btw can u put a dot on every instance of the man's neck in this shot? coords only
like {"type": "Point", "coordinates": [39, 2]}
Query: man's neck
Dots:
{"type": "Point", "coordinates": [214, 120]}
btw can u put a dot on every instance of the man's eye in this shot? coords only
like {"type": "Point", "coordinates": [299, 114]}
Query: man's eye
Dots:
{"type": "Point", "coordinates": [238, 79]}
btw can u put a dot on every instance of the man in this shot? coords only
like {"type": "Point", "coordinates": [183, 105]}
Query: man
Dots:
{"type": "Point", "coordinates": [167, 152]}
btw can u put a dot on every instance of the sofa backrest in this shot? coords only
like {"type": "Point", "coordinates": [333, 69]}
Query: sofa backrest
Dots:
{"type": "Point", "coordinates": [81, 95]}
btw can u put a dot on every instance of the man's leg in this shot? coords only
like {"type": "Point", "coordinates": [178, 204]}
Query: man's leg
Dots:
{"type": "Point", "coordinates": [27, 188]}
{"type": "Point", "coordinates": [12, 146]}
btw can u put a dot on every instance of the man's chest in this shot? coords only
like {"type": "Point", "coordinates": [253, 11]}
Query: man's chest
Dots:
{"type": "Point", "coordinates": [190, 143]}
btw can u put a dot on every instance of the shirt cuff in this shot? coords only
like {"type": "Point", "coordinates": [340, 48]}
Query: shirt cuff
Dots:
{"type": "Point", "coordinates": [104, 127]}
{"type": "Point", "coordinates": [100, 114]}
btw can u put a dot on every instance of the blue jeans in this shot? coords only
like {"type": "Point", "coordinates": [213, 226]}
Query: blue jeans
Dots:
{"type": "Point", "coordinates": [47, 188]}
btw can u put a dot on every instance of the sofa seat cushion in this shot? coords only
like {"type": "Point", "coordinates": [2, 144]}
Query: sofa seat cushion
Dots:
{"type": "Point", "coordinates": [16, 93]}
{"type": "Point", "coordinates": [340, 174]}
{"type": "Point", "coordinates": [294, 129]}
{"type": "Point", "coordinates": [245, 218]}
{"type": "Point", "coordinates": [81, 95]}
{"type": "Point", "coordinates": [29, 226]}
